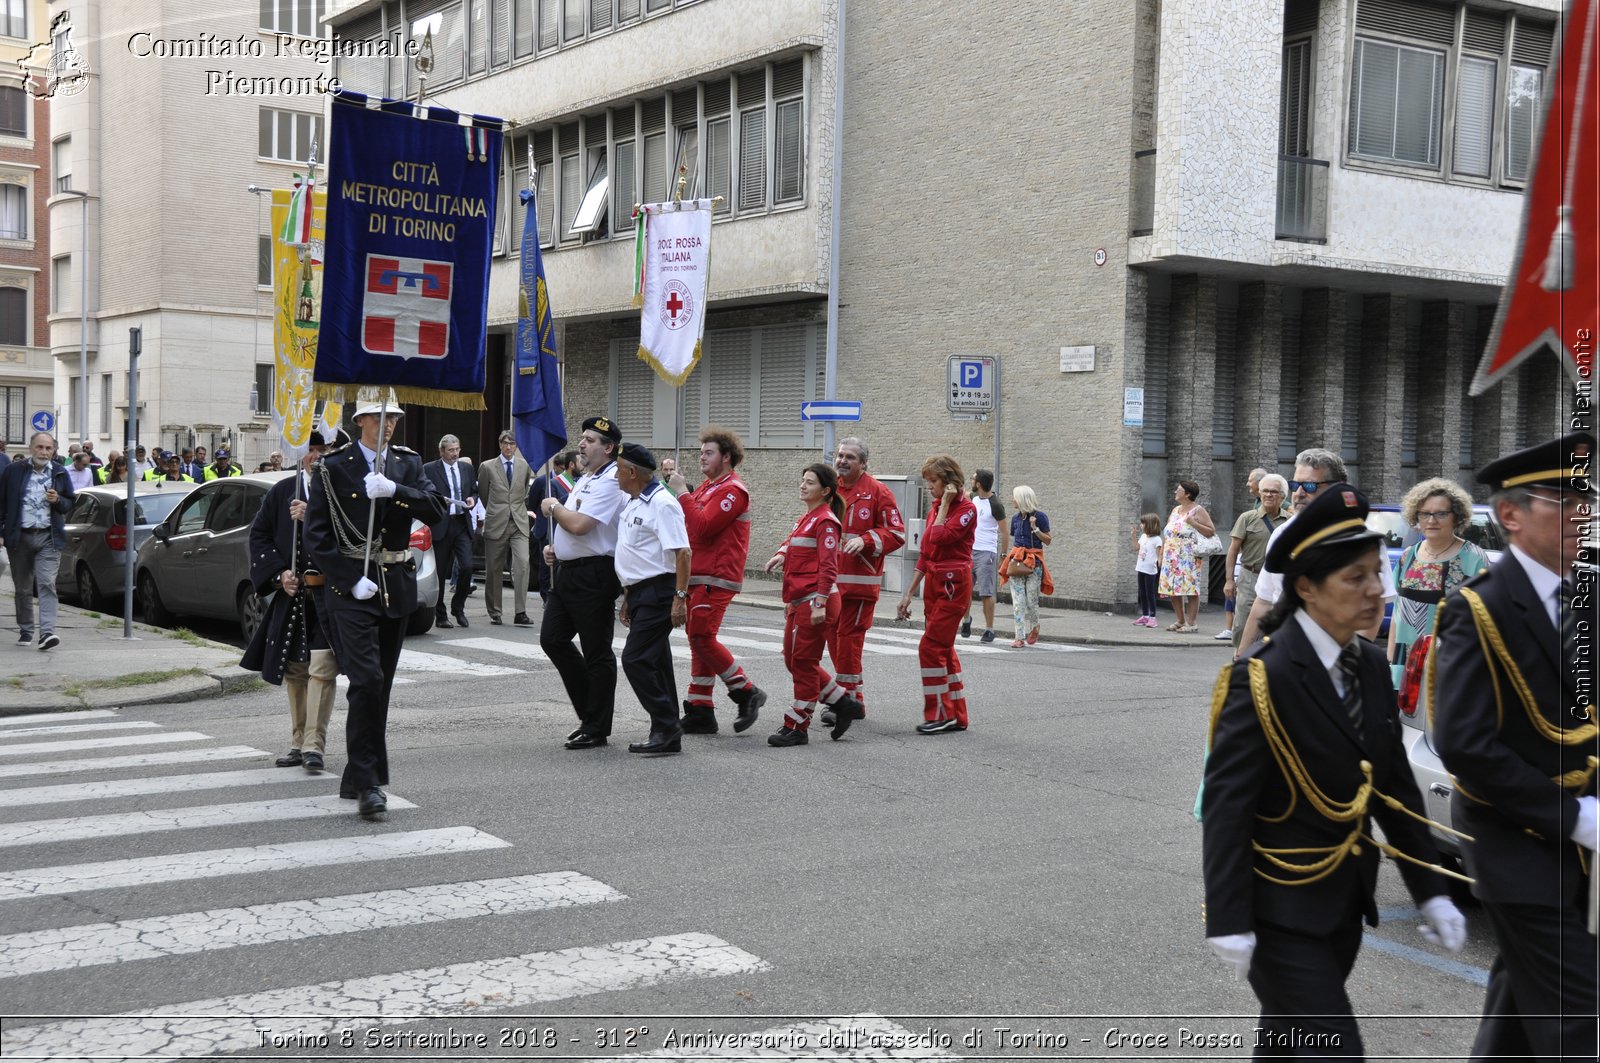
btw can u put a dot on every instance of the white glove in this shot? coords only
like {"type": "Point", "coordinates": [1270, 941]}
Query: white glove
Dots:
{"type": "Point", "coordinates": [1587, 832]}
{"type": "Point", "coordinates": [364, 589]}
{"type": "Point", "coordinates": [379, 485]}
{"type": "Point", "coordinates": [1443, 923]}
{"type": "Point", "coordinates": [1235, 950]}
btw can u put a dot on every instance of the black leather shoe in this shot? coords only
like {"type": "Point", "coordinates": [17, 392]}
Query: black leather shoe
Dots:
{"type": "Point", "coordinates": [699, 719]}
{"type": "Point", "coordinates": [788, 737]}
{"type": "Point", "coordinates": [939, 727]}
{"type": "Point", "coordinates": [495, 621]}
{"type": "Point", "coordinates": [461, 620]}
{"type": "Point", "coordinates": [846, 711]}
{"type": "Point", "coordinates": [585, 740]}
{"type": "Point", "coordinates": [311, 761]}
{"type": "Point", "coordinates": [966, 627]}
{"type": "Point", "coordinates": [522, 620]}
{"type": "Point", "coordinates": [373, 803]}
{"type": "Point", "coordinates": [749, 706]}
{"type": "Point", "coordinates": [291, 759]}
{"type": "Point", "coordinates": [442, 621]}
{"type": "Point", "coordinates": [576, 731]}
{"type": "Point", "coordinates": [659, 745]}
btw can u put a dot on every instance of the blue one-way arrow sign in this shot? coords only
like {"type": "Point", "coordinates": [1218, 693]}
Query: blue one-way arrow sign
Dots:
{"type": "Point", "coordinates": [836, 410]}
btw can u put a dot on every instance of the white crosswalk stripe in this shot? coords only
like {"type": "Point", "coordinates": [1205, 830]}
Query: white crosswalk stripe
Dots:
{"type": "Point", "coordinates": [78, 728]}
{"type": "Point", "coordinates": [231, 1024]}
{"type": "Point", "coordinates": [64, 793]}
{"type": "Point", "coordinates": [417, 661]}
{"type": "Point", "coordinates": [94, 944]}
{"type": "Point", "coordinates": [118, 824]}
{"type": "Point", "coordinates": [524, 651]}
{"type": "Point", "coordinates": [243, 860]}
{"type": "Point", "coordinates": [131, 760]}
{"type": "Point", "coordinates": [680, 653]}
{"type": "Point", "coordinates": [884, 650]}
{"type": "Point", "coordinates": [55, 717]}
{"type": "Point", "coordinates": [31, 749]}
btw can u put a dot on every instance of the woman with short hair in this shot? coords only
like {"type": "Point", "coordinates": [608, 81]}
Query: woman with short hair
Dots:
{"type": "Point", "coordinates": [1434, 565]}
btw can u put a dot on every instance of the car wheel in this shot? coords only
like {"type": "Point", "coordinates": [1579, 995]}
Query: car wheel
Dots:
{"type": "Point", "coordinates": [89, 595]}
{"type": "Point", "coordinates": [150, 601]}
{"type": "Point", "coordinates": [250, 611]}
{"type": "Point", "coordinates": [421, 621]}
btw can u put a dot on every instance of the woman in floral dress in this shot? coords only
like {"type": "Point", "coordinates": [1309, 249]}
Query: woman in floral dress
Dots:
{"type": "Point", "coordinates": [1434, 565]}
{"type": "Point", "coordinates": [1180, 569]}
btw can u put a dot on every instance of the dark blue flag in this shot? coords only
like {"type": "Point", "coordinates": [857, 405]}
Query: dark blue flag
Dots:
{"type": "Point", "coordinates": [538, 420]}
{"type": "Point", "coordinates": [410, 228]}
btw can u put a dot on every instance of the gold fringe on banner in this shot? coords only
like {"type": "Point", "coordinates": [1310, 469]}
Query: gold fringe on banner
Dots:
{"type": "Point", "coordinates": [435, 397]}
{"type": "Point", "coordinates": [676, 381]}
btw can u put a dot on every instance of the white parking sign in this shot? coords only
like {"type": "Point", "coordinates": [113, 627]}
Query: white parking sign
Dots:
{"type": "Point", "coordinates": [971, 383]}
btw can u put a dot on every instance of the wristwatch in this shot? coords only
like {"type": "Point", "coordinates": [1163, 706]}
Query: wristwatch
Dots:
{"type": "Point", "coordinates": [684, 595]}
{"type": "Point", "coordinates": [819, 601]}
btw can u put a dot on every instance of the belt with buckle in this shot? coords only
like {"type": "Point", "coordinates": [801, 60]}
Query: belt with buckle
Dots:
{"type": "Point", "coordinates": [382, 557]}
{"type": "Point", "coordinates": [313, 579]}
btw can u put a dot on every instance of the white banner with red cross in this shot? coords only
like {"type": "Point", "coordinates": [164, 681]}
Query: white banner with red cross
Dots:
{"type": "Point", "coordinates": [675, 261]}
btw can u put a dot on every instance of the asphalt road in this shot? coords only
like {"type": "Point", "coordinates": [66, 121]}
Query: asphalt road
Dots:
{"type": "Point", "coordinates": [1039, 873]}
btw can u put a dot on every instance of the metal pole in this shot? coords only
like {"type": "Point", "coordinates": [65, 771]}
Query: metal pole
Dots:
{"type": "Point", "coordinates": [83, 326]}
{"type": "Point", "coordinates": [831, 367]}
{"type": "Point", "coordinates": [135, 336]}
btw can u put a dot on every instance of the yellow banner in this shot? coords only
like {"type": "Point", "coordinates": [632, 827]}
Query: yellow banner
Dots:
{"type": "Point", "coordinates": [296, 312]}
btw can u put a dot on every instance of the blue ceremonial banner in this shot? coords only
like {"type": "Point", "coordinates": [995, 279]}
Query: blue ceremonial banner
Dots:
{"type": "Point", "coordinates": [410, 228]}
{"type": "Point", "coordinates": [540, 423]}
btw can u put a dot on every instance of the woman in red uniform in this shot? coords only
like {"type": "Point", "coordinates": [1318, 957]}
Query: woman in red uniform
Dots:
{"type": "Point", "coordinates": [809, 558]}
{"type": "Point", "coordinates": [945, 568]}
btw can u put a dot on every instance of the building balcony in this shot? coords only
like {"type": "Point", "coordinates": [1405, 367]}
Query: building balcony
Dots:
{"type": "Point", "coordinates": [1302, 199]}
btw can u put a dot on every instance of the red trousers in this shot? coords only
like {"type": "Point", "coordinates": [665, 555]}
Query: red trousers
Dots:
{"type": "Point", "coordinates": [803, 643]}
{"type": "Point", "coordinates": [846, 637]}
{"type": "Point", "coordinates": [709, 658]}
{"type": "Point", "coordinates": [944, 603]}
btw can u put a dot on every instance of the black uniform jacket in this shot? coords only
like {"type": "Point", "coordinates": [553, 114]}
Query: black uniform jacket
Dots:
{"type": "Point", "coordinates": [288, 628]}
{"type": "Point", "coordinates": [1249, 800]}
{"type": "Point", "coordinates": [1504, 762]}
{"type": "Point", "coordinates": [466, 481]}
{"type": "Point", "coordinates": [339, 481]}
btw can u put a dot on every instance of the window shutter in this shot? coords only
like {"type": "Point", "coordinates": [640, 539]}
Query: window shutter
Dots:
{"type": "Point", "coordinates": [752, 88]}
{"type": "Point", "coordinates": [1294, 125]}
{"type": "Point", "coordinates": [1372, 85]}
{"type": "Point", "coordinates": [716, 98]}
{"type": "Point", "coordinates": [1466, 406]}
{"type": "Point", "coordinates": [1533, 42]}
{"type": "Point", "coordinates": [523, 13]}
{"type": "Point", "coordinates": [655, 114]}
{"type": "Point", "coordinates": [622, 121]}
{"type": "Point", "coordinates": [549, 23]}
{"type": "Point", "coordinates": [1227, 373]}
{"type": "Point", "coordinates": [627, 10]}
{"type": "Point", "coordinates": [1484, 31]}
{"type": "Point", "coordinates": [635, 405]}
{"type": "Point", "coordinates": [478, 37]}
{"type": "Point", "coordinates": [500, 33]}
{"type": "Point", "coordinates": [1419, 19]}
{"type": "Point", "coordinates": [788, 79]}
{"type": "Point", "coordinates": [719, 164]}
{"type": "Point", "coordinates": [787, 181]}
{"type": "Point", "coordinates": [1157, 330]}
{"type": "Point", "coordinates": [1350, 443]}
{"type": "Point", "coordinates": [1411, 395]}
{"type": "Point", "coordinates": [1421, 107]}
{"type": "Point", "coordinates": [13, 319]}
{"type": "Point", "coordinates": [694, 405]}
{"type": "Point", "coordinates": [599, 14]}
{"type": "Point", "coordinates": [783, 385]}
{"type": "Point", "coordinates": [752, 159]}
{"type": "Point", "coordinates": [571, 20]}
{"type": "Point", "coordinates": [622, 188]}
{"type": "Point", "coordinates": [1524, 94]}
{"type": "Point", "coordinates": [1299, 16]}
{"type": "Point", "coordinates": [1289, 389]}
{"type": "Point", "coordinates": [571, 193]}
{"type": "Point", "coordinates": [1474, 116]}
{"type": "Point", "coordinates": [685, 106]}
{"type": "Point", "coordinates": [655, 169]}
{"type": "Point", "coordinates": [728, 353]}
{"type": "Point", "coordinates": [547, 206]}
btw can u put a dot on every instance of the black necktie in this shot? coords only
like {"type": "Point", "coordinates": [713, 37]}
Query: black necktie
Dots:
{"type": "Point", "coordinates": [455, 492]}
{"type": "Point", "coordinates": [1349, 669]}
{"type": "Point", "coordinates": [508, 473]}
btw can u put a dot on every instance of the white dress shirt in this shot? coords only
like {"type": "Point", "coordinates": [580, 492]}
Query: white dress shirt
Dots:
{"type": "Point", "coordinates": [650, 530]}
{"type": "Point", "coordinates": [1326, 649]}
{"type": "Point", "coordinates": [595, 495]}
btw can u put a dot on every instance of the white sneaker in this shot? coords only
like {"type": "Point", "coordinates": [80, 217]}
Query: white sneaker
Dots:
{"type": "Point", "coordinates": [1224, 635]}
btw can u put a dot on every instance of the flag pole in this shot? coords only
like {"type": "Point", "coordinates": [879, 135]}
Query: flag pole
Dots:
{"type": "Point", "coordinates": [549, 466]}
{"type": "Point", "coordinates": [677, 441]}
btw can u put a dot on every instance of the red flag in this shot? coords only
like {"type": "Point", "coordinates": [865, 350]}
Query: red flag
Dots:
{"type": "Point", "coordinates": [1552, 297]}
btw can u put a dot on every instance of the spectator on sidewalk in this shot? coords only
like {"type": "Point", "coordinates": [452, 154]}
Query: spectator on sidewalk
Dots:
{"type": "Point", "coordinates": [141, 462]}
{"type": "Point", "coordinates": [987, 546]}
{"type": "Point", "coordinates": [35, 497]}
{"type": "Point", "coordinates": [115, 471]}
{"type": "Point", "coordinates": [1024, 567]}
{"type": "Point", "coordinates": [1147, 569]}
{"type": "Point", "coordinates": [1180, 568]}
{"type": "Point", "coordinates": [1247, 547]}
{"type": "Point", "coordinates": [223, 467]}
{"type": "Point", "coordinates": [197, 468]}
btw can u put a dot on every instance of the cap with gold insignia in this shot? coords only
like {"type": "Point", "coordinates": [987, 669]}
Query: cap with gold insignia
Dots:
{"type": "Point", "coordinates": [606, 427]}
{"type": "Point", "coordinates": [1563, 464]}
{"type": "Point", "coordinates": [634, 454]}
{"type": "Point", "coordinates": [1335, 516]}
{"type": "Point", "coordinates": [378, 401]}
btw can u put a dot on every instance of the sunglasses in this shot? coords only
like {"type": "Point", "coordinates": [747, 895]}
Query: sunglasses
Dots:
{"type": "Point", "coordinates": [1308, 486]}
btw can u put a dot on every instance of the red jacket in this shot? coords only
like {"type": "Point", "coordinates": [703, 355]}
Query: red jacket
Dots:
{"type": "Point", "coordinates": [811, 557]}
{"type": "Point", "coordinates": [717, 514]}
{"type": "Point", "coordinates": [870, 512]}
{"type": "Point", "coordinates": [948, 544]}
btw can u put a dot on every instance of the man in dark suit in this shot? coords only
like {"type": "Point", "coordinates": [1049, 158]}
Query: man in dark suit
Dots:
{"type": "Point", "coordinates": [35, 497]}
{"type": "Point", "coordinates": [455, 482]}
{"type": "Point", "coordinates": [371, 588]}
{"type": "Point", "coordinates": [1512, 699]}
{"type": "Point", "coordinates": [1305, 747]}
{"type": "Point", "coordinates": [504, 481]}
{"type": "Point", "coordinates": [289, 645]}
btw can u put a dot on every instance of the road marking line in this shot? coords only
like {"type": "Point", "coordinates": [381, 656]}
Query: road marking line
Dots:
{"type": "Point", "coordinates": [845, 1037]}
{"type": "Point", "coordinates": [734, 640]}
{"type": "Point", "coordinates": [64, 793]}
{"type": "Point", "coordinates": [95, 944]}
{"type": "Point", "coordinates": [79, 728]}
{"type": "Point", "coordinates": [244, 860]}
{"type": "Point", "coordinates": [885, 651]}
{"type": "Point", "coordinates": [1443, 964]}
{"type": "Point", "coordinates": [28, 749]}
{"type": "Point", "coordinates": [55, 717]}
{"type": "Point", "coordinates": [236, 1023]}
{"type": "Point", "coordinates": [132, 760]}
{"type": "Point", "coordinates": [417, 661]}
{"type": "Point", "coordinates": [117, 824]}
{"type": "Point", "coordinates": [907, 639]}
{"type": "Point", "coordinates": [526, 651]}
{"type": "Point", "coordinates": [678, 652]}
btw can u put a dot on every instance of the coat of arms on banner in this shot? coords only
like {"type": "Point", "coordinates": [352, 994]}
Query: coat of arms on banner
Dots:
{"type": "Point", "coordinates": [406, 311]}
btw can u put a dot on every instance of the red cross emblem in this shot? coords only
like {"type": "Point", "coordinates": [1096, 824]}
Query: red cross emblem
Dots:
{"type": "Point", "coordinates": [677, 309]}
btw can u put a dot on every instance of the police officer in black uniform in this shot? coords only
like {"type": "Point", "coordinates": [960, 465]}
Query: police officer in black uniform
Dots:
{"type": "Point", "coordinates": [1305, 745]}
{"type": "Point", "coordinates": [1511, 684]}
{"type": "Point", "coordinates": [367, 607]}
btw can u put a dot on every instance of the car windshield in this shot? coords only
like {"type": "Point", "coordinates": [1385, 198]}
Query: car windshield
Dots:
{"type": "Point", "coordinates": [1389, 524]}
{"type": "Point", "coordinates": [150, 509]}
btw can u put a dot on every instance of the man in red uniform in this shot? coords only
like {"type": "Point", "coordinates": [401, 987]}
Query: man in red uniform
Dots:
{"type": "Point", "coordinates": [872, 531]}
{"type": "Point", "coordinates": [945, 571]}
{"type": "Point", "coordinates": [718, 516]}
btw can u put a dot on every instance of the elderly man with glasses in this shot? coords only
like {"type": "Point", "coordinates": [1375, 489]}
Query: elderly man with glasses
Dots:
{"type": "Point", "coordinates": [1313, 467]}
{"type": "Point", "coordinates": [1247, 545]}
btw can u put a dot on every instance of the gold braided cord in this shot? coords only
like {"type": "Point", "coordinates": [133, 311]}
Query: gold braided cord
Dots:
{"type": "Point", "coordinates": [1219, 695]}
{"type": "Point", "coordinates": [1548, 731]}
{"type": "Point", "coordinates": [1294, 769]}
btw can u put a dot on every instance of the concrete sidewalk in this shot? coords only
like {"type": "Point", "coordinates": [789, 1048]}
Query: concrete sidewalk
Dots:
{"type": "Point", "coordinates": [96, 668]}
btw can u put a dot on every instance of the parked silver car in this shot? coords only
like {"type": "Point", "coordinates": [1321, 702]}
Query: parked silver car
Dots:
{"type": "Point", "coordinates": [197, 561]}
{"type": "Point", "coordinates": [97, 536]}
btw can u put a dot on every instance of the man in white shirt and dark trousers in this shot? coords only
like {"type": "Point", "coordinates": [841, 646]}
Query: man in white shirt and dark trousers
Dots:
{"type": "Point", "coordinates": [986, 551]}
{"type": "Point", "coordinates": [653, 568]}
{"type": "Point", "coordinates": [585, 587]}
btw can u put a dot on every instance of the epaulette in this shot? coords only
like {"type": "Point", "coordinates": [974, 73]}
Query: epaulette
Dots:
{"type": "Point", "coordinates": [1255, 648]}
{"type": "Point", "coordinates": [397, 448]}
{"type": "Point", "coordinates": [340, 449]}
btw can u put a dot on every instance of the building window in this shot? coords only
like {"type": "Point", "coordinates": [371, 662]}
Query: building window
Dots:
{"type": "Point", "coordinates": [263, 261]}
{"type": "Point", "coordinates": [264, 385]}
{"type": "Point", "coordinates": [449, 28]}
{"type": "Point", "coordinates": [14, 316]}
{"type": "Point", "coordinates": [13, 212]}
{"type": "Point", "coordinates": [1524, 92]}
{"type": "Point", "coordinates": [105, 402]}
{"type": "Point", "coordinates": [1397, 103]}
{"type": "Point", "coordinates": [300, 18]}
{"type": "Point", "coordinates": [13, 111]}
{"type": "Point", "coordinates": [287, 136]}
{"type": "Point", "coordinates": [15, 427]}
{"type": "Point", "coordinates": [14, 18]}
{"type": "Point", "coordinates": [61, 163]}
{"type": "Point", "coordinates": [60, 276]}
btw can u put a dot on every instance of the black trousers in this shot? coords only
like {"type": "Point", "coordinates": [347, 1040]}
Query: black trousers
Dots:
{"type": "Point", "coordinates": [582, 603]}
{"type": "Point", "coordinates": [647, 655]}
{"type": "Point", "coordinates": [536, 546]}
{"type": "Point", "coordinates": [1542, 998]}
{"type": "Point", "coordinates": [1299, 979]}
{"type": "Point", "coordinates": [453, 550]}
{"type": "Point", "coordinates": [368, 648]}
